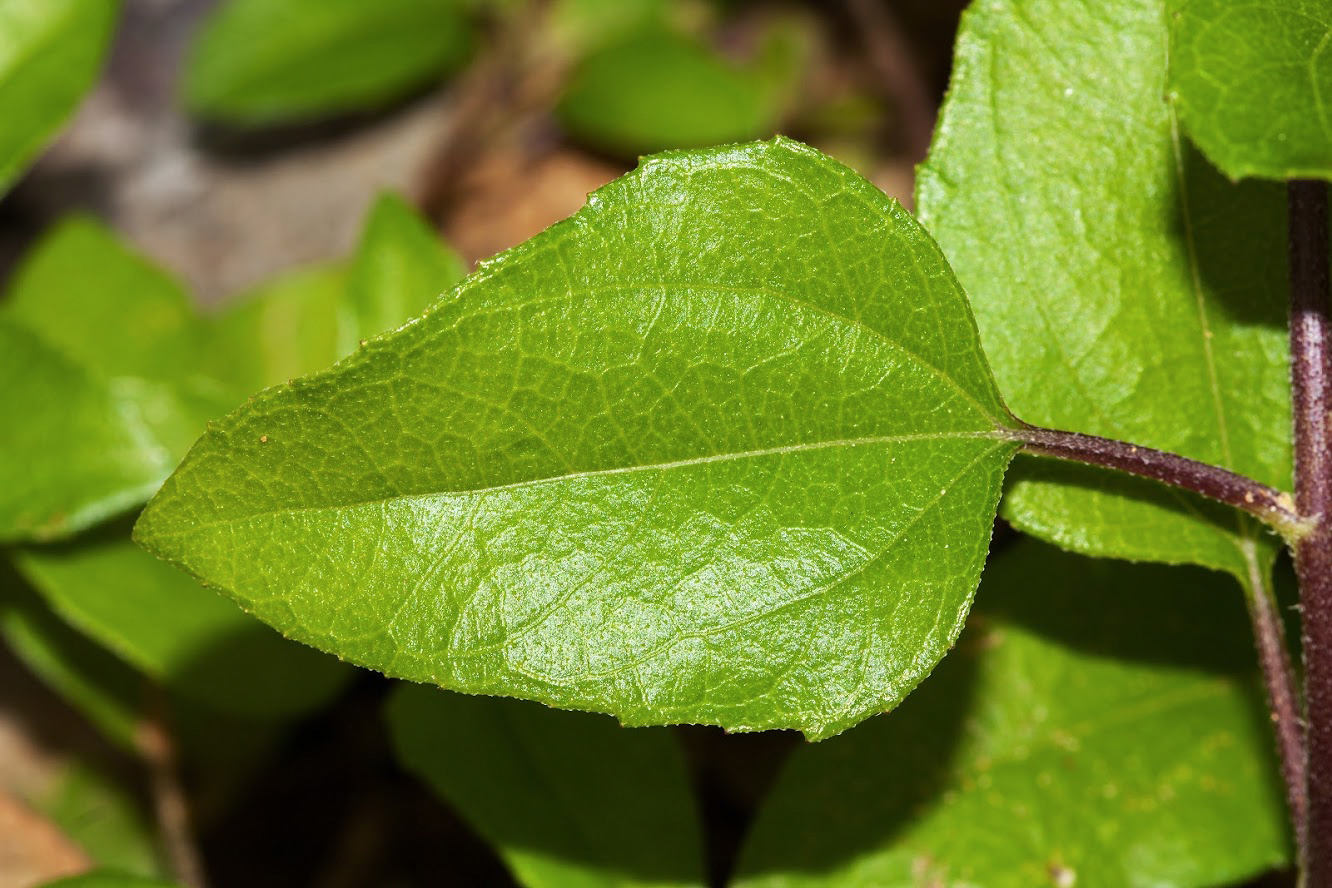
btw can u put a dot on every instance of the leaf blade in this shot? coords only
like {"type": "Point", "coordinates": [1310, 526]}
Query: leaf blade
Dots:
{"type": "Point", "coordinates": [195, 642]}
{"type": "Point", "coordinates": [260, 61]}
{"type": "Point", "coordinates": [841, 362]}
{"type": "Point", "coordinates": [401, 267]}
{"type": "Point", "coordinates": [1250, 80]}
{"type": "Point", "coordinates": [103, 417]}
{"type": "Point", "coordinates": [51, 56]}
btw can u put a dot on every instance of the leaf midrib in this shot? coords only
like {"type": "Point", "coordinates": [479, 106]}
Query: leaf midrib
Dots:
{"type": "Point", "coordinates": [998, 434]}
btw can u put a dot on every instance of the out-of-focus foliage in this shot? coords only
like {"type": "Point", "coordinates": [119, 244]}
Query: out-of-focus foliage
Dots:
{"type": "Point", "coordinates": [50, 54]}
{"type": "Point", "coordinates": [262, 61]}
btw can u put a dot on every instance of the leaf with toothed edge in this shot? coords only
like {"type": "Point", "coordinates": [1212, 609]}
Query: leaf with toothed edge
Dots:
{"type": "Point", "coordinates": [722, 447]}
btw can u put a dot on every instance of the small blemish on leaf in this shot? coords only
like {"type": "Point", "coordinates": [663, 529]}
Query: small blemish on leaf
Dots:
{"type": "Point", "coordinates": [263, 439]}
{"type": "Point", "coordinates": [1061, 876]}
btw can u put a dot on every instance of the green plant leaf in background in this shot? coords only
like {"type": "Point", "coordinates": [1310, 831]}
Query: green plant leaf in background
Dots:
{"type": "Point", "coordinates": [1122, 287]}
{"type": "Point", "coordinates": [657, 89]}
{"type": "Point", "coordinates": [1252, 81]}
{"type": "Point", "coordinates": [1089, 730]}
{"type": "Point", "coordinates": [306, 320]}
{"type": "Point", "coordinates": [566, 798]}
{"type": "Point", "coordinates": [49, 57]}
{"type": "Point", "coordinates": [294, 324]}
{"type": "Point", "coordinates": [93, 680]}
{"type": "Point", "coordinates": [263, 61]}
{"type": "Point", "coordinates": [97, 420]}
{"type": "Point", "coordinates": [576, 27]}
{"type": "Point", "coordinates": [722, 447]}
{"type": "Point", "coordinates": [194, 641]}
{"type": "Point", "coordinates": [197, 643]}
{"type": "Point", "coordinates": [401, 267]}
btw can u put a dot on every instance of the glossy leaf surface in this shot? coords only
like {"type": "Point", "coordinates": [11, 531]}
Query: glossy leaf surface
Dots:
{"type": "Point", "coordinates": [1121, 285]}
{"type": "Point", "coordinates": [50, 55]}
{"type": "Point", "coordinates": [566, 798]}
{"type": "Point", "coordinates": [96, 359]}
{"type": "Point", "coordinates": [722, 447]}
{"type": "Point", "coordinates": [1089, 730]}
{"type": "Point", "coordinates": [1252, 79]}
{"type": "Point", "coordinates": [658, 89]}
{"type": "Point", "coordinates": [258, 61]}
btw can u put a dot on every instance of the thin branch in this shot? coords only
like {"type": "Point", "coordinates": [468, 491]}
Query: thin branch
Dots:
{"type": "Point", "coordinates": [156, 746]}
{"type": "Point", "coordinates": [1282, 693]}
{"type": "Point", "coordinates": [1270, 505]}
{"type": "Point", "coordinates": [1311, 392]}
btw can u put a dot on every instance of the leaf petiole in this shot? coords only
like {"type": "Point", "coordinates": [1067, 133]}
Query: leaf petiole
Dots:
{"type": "Point", "coordinates": [1273, 507]}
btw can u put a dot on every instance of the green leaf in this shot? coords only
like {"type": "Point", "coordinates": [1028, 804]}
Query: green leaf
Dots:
{"type": "Point", "coordinates": [297, 323]}
{"type": "Point", "coordinates": [1089, 730]}
{"type": "Point", "coordinates": [96, 359]}
{"type": "Point", "coordinates": [1122, 287]}
{"type": "Point", "coordinates": [401, 267]}
{"type": "Point", "coordinates": [50, 56]}
{"type": "Point", "coordinates": [89, 677]}
{"type": "Point", "coordinates": [567, 799]}
{"type": "Point", "coordinates": [1252, 79]}
{"type": "Point", "coordinates": [579, 26]}
{"type": "Point", "coordinates": [260, 61]}
{"type": "Point", "coordinates": [161, 621]}
{"type": "Point", "coordinates": [722, 447]}
{"type": "Point", "coordinates": [659, 89]}
{"type": "Point", "coordinates": [305, 320]}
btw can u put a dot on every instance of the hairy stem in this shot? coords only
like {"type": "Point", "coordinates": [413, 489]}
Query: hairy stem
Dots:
{"type": "Point", "coordinates": [1267, 503]}
{"type": "Point", "coordinates": [1311, 392]}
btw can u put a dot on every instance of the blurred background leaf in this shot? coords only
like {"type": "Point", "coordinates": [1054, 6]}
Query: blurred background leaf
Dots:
{"type": "Point", "coordinates": [50, 55]}
{"type": "Point", "coordinates": [260, 61]}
